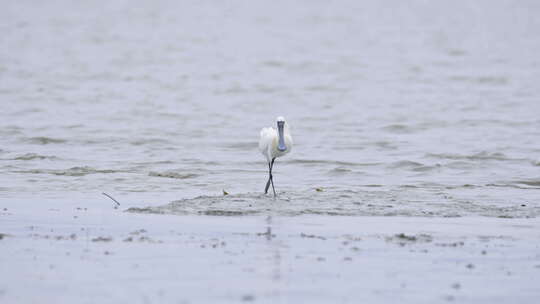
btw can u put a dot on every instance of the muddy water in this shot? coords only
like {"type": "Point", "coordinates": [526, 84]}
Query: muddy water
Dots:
{"type": "Point", "coordinates": [413, 109]}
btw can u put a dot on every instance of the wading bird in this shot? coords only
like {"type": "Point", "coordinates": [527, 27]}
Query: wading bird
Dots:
{"type": "Point", "coordinates": [275, 143]}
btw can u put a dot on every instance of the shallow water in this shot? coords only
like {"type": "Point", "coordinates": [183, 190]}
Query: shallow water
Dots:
{"type": "Point", "coordinates": [102, 255]}
{"type": "Point", "coordinates": [412, 109]}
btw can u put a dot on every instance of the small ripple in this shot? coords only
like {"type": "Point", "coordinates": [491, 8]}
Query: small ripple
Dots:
{"type": "Point", "coordinates": [406, 164]}
{"type": "Point", "coordinates": [464, 186]}
{"type": "Point", "coordinates": [483, 80]}
{"type": "Point", "coordinates": [530, 182]}
{"type": "Point", "coordinates": [477, 156]}
{"type": "Point", "coordinates": [232, 90]}
{"type": "Point", "coordinates": [74, 171]}
{"type": "Point", "coordinates": [32, 156]}
{"type": "Point", "coordinates": [329, 162]}
{"type": "Point", "coordinates": [385, 145]}
{"type": "Point", "coordinates": [241, 145]}
{"type": "Point", "coordinates": [405, 129]}
{"type": "Point", "coordinates": [147, 141]}
{"type": "Point", "coordinates": [175, 175]}
{"type": "Point", "coordinates": [266, 89]}
{"type": "Point", "coordinates": [273, 63]}
{"type": "Point", "coordinates": [10, 130]}
{"type": "Point", "coordinates": [159, 162]}
{"type": "Point", "coordinates": [398, 128]}
{"type": "Point", "coordinates": [459, 165]}
{"type": "Point", "coordinates": [196, 161]}
{"type": "Point", "coordinates": [324, 88]}
{"type": "Point", "coordinates": [425, 168]}
{"type": "Point", "coordinates": [340, 171]}
{"type": "Point", "coordinates": [456, 52]}
{"type": "Point", "coordinates": [43, 140]}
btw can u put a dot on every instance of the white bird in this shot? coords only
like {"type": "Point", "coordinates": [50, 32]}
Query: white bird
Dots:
{"type": "Point", "coordinates": [275, 143]}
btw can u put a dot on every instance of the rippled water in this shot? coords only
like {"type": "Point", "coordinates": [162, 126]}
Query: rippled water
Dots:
{"type": "Point", "coordinates": [396, 107]}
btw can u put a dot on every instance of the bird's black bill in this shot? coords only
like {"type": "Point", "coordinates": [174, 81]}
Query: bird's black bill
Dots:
{"type": "Point", "coordinates": [281, 142]}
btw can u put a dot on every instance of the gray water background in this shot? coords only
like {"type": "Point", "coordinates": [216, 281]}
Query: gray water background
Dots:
{"type": "Point", "coordinates": [425, 108]}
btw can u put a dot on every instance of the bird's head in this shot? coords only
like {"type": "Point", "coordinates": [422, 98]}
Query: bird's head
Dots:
{"type": "Point", "coordinates": [280, 122]}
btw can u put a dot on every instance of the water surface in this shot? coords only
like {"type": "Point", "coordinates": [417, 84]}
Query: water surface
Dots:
{"type": "Point", "coordinates": [396, 108]}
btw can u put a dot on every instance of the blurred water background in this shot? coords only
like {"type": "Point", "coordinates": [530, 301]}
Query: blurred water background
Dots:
{"type": "Point", "coordinates": [427, 108]}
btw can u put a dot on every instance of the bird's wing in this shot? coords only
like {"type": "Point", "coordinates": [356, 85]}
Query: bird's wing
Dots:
{"type": "Point", "coordinates": [267, 134]}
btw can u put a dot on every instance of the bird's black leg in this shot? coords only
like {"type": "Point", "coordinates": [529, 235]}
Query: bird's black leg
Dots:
{"type": "Point", "coordinates": [271, 177]}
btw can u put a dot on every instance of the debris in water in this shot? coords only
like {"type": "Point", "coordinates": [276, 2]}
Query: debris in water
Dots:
{"type": "Point", "coordinates": [117, 203]}
{"type": "Point", "coordinates": [102, 239]}
{"type": "Point", "coordinates": [137, 232]}
{"type": "Point", "coordinates": [403, 239]}
{"type": "Point", "coordinates": [312, 236]}
{"type": "Point", "coordinates": [454, 244]}
{"type": "Point", "coordinates": [225, 192]}
{"type": "Point", "coordinates": [248, 298]}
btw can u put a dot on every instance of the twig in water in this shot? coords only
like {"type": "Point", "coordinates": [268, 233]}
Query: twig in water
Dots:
{"type": "Point", "coordinates": [111, 198]}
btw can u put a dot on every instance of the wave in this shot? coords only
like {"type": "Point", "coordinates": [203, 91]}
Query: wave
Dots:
{"type": "Point", "coordinates": [32, 156]}
{"type": "Point", "coordinates": [477, 156]}
{"type": "Point", "coordinates": [413, 166]}
{"type": "Point", "coordinates": [398, 128]}
{"type": "Point", "coordinates": [483, 80]}
{"type": "Point", "coordinates": [149, 141]}
{"type": "Point", "coordinates": [43, 140]}
{"type": "Point", "coordinates": [329, 162]}
{"type": "Point", "coordinates": [406, 164]}
{"type": "Point", "coordinates": [251, 145]}
{"type": "Point", "coordinates": [74, 171]}
{"type": "Point", "coordinates": [175, 175]}
{"type": "Point", "coordinates": [340, 170]}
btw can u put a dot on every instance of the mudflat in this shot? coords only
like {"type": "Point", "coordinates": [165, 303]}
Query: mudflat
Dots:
{"type": "Point", "coordinates": [66, 253]}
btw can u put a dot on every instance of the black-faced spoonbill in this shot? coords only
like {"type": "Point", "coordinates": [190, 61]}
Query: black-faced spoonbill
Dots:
{"type": "Point", "coordinates": [275, 143]}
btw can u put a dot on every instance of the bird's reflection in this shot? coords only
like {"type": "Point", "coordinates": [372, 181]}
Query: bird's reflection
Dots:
{"type": "Point", "coordinates": [274, 246]}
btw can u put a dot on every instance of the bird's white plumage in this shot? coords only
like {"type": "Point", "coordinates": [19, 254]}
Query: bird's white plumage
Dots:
{"type": "Point", "coordinates": [268, 142]}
